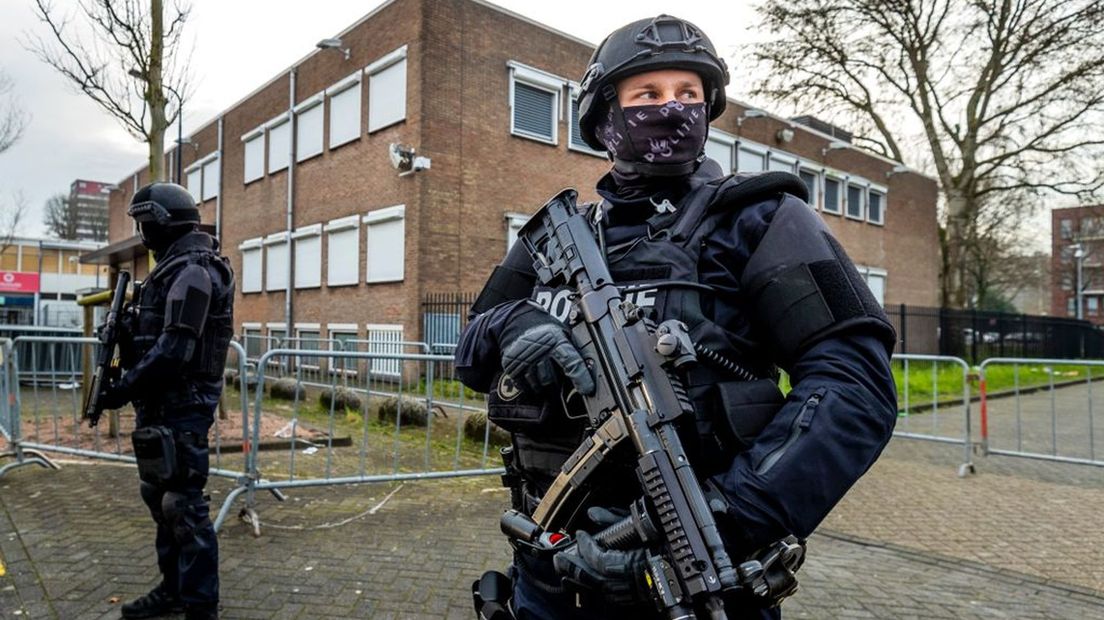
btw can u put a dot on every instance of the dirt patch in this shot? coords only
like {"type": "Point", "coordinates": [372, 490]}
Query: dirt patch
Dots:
{"type": "Point", "coordinates": [66, 431]}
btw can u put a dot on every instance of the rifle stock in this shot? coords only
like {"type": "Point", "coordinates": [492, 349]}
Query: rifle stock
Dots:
{"type": "Point", "coordinates": [637, 403]}
{"type": "Point", "coordinates": [107, 363]}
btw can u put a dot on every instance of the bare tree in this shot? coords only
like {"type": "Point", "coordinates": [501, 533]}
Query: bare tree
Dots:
{"type": "Point", "coordinates": [62, 217]}
{"type": "Point", "coordinates": [1004, 96]}
{"type": "Point", "coordinates": [126, 65]}
{"type": "Point", "coordinates": [13, 119]}
{"type": "Point", "coordinates": [11, 216]}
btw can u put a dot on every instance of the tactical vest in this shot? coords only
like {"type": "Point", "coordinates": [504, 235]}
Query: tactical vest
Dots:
{"type": "Point", "coordinates": [733, 387]}
{"type": "Point", "coordinates": [209, 359]}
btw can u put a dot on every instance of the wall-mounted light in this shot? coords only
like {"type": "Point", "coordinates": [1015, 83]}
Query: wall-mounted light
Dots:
{"type": "Point", "coordinates": [333, 44]}
{"type": "Point", "coordinates": [750, 113]}
{"type": "Point", "coordinates": [784, 135]}
{"type": "Point", "coordinates": [833, 145]}
{"type": "Point", "coordinates": [898, 169]}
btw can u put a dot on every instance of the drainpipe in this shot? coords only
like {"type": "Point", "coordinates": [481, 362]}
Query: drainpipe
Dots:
{"type": "Point", "coordinates": [218, 196]}
{"type": "Point", "coordinates": [290, 205]}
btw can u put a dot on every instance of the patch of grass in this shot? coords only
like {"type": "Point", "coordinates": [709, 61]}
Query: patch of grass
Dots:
{"type": "Point", "coordinates": [943, 381]}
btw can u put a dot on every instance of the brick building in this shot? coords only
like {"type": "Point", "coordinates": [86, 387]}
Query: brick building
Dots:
{"type": "Point", "coordinates": [297, 182]}
{"type": "Point", "coordinates": [1073, 228]}
{"type": "Point", "coordinates": [89, 208]}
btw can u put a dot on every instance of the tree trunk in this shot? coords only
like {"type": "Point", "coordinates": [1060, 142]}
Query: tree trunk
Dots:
{"type": "Point", "coordinates": [156, 96]}
{"type": "Point", "coordinates": [954, 285]}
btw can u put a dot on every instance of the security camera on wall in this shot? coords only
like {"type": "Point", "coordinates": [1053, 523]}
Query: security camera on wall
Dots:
{"type": "Point", "coordinates": [402, 157]}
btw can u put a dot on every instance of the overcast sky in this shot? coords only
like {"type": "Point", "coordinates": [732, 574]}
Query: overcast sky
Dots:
{"type": "Point", "coordinates": [238, 46]}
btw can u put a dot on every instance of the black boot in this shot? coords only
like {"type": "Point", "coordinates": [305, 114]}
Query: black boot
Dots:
{"type": "Point", "coordinates": [153, 605]}
{"type": "Point", "coordinates": [201, 612]}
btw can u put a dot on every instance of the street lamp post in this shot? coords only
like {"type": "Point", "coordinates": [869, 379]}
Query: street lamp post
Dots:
{"type": "Point", "coordinates": [179, 125]}
{"type": "Point", "coordinates": [1079, 256]}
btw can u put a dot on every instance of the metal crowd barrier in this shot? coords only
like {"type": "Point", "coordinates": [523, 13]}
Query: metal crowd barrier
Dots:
{"type": "Point", "coordinates": [45, 411]}
{"type": "Point", "coordinates": [1041, 421]}
{"type": "Point", "coordinates": [387, 427]}
{"type": "Point", "coordinates": [925, 418]}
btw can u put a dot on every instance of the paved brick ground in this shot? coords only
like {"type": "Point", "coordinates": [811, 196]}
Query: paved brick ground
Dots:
{"type": "Point", "coordinates": [911, 541]}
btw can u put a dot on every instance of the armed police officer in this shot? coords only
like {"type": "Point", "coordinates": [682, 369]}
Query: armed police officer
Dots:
{"type": "Point", "coordinates": [760, 284]}
{"type": "Point", "coordinates": [179, 333]}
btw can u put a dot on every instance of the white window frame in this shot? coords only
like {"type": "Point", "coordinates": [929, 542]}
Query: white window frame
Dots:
{"type": "Point", "coordinates": [379, 216]}
{"type": "Point", "coordinates": [866, 272]}
{"type": "Point", "coordinates": [584, 148]}
{"type": "Point", "coordinates": [314, 230]}
{"type": "Point", "coordinates": [350, 364]}
{"type": "Point", "coordinates": [841, 198]}
{"type": "Point", "coordinates": [257, 133]}
{"type": "Point", "coordinates": [729, 141]}
{"type": "Point", "coordinates": [309, 327]}
{"type": "Point", "coordinates": [385, 367]}
{"type": "Point", "coordinates": [309, 104]}
{"type": "Point", "coordinates": [269, 328]}
{"type": "Point", "coordinates": [211, 186]}
{"type": "Point", "coordinates": [884, 193]}
{"type": "Point", "coordinates": [386, 62]}
{"type": "Point", "coordinates": [253, 245]}
{"type": "Point", "coordinates": [817, 190]}
{"type": "Point", "coordinates": [540, 80]}
{"type": "Point", "coordinates": [197, 191]}
{"type": "Point", "coordinates": [762, 150]}
{"type": "Point", "coordinates": [245, 328]}
{"type": "Point", "coordinates": [514, 221]}
{"type": "Point", "coordinates": [862, 187]}
{"type": "Point", "coordinates": [775, 155]}
{"type": "Point", "coordinates": [341, 88]}
{"type": "Point", "coordinates": [270, 126]}
{"type": "Point", "coordinates": [339, 225]}
{"type": "Point", "coordinates": [271, 240]}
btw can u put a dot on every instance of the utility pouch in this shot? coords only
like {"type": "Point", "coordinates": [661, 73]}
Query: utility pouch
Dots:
{"type": "Point", "coordinates": [748, 406]}
{"type": "Point", "coordinates": [491, 595]}
{"type": "Point", "coordinates": [155, 450]}
{"type": "Point", "coordinates": [516, 410]}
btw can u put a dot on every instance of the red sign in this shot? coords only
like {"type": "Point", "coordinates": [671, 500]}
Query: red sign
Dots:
{"type": "Point", "coordinates": [18, 282]}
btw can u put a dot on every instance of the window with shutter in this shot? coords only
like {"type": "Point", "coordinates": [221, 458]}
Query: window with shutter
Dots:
{"type": "Point", "coordinates": [254, 155]}
{"type": "Point", "coordinates": [387, 90]}
{"type": "Point", "coordinates": [385, 241]}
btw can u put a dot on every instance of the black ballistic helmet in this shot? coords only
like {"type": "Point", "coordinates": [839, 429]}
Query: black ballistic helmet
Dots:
{"type": "Point", "coordinates": [164, 212]}
{"type": "Point", "coordinates": [663, 42]}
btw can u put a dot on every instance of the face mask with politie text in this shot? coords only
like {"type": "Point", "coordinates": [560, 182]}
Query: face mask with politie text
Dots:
{"type": "Point", "coordinates": [666, 133]}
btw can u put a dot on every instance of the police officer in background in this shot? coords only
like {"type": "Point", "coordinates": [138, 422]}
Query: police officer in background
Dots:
{"type": "Point", "coordinates": [760, 282]}
{"type": "Point", "coordinates": [174, 356]}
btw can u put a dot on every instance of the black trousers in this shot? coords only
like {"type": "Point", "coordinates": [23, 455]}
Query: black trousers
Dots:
{"type": "Point", "coordinates": [186, 544]}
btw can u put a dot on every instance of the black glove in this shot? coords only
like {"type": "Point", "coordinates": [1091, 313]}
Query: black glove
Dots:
{"type": "Point", "coordinates": [114, 396]}
{"type": "Point", "coordinates": [536, 352]}
{"type": "Point", "coordinates": [619, 577]}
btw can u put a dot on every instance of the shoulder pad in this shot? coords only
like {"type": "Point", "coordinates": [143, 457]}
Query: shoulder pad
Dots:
{"type": "Point", "coordinates": [742, 189]}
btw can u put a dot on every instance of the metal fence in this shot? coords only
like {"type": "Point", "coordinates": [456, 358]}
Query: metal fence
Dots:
{"type": "Point", "coordinates": [334, 412]}
{"type": "Point", "coordinates": [444, 315]}
{"type": "Point", "coordinates": [46, 402]}
{"type": "Point", "coordinates": [933, 400]}
{"type": "Point", "coordinates": [362, 427]}
{"type": "Point", "coordinates": [975, 335]}
{"type": "Point", "coordinates": [1050, 419]}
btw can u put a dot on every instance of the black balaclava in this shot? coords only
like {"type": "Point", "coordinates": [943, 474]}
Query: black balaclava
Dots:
{"type": "Point", "coordinates": [668, 139]}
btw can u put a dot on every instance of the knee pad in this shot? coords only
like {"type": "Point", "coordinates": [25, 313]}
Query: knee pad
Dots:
{"type": "Point", "coordinates": [187, 514]}
{"type": "Point", "coordinates": [152, 496]}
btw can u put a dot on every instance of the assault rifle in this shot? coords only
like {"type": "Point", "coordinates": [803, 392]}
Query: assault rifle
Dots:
{"type": "Point", "coordinates": [635, 407]}
{"type": "Point", "coordinates": [107, 361]}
